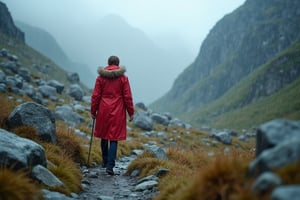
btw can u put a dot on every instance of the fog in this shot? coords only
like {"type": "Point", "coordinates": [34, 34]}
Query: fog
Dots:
{"type": "Point", "coordinates": [174, 29]}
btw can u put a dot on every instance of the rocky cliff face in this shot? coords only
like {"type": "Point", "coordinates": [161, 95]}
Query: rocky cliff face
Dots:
{"type": "Point", "coordinates": [7, 25]}
{"type": "Point", "coordinates": [236, 46]}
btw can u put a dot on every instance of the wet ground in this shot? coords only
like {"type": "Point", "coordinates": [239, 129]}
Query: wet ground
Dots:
{"type": "Point", "coordinates": [98, 185]}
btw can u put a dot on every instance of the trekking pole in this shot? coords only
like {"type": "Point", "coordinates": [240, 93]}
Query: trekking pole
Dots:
{"type": "Point", "coordinates": [91, 140]}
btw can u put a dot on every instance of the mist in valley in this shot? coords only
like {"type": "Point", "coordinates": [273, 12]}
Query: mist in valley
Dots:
{"type": "Point", "coordinates": [155, 40]}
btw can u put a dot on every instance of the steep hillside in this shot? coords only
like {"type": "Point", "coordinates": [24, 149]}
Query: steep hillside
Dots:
{"type": "Point", "coordinates": [271, 91]}
{"type": "Point", "coordinates": [45, 43]}
{"type": "Point", "coordinates": [236, 46]}
{"type": "Point", "coordinates": [6, 24]}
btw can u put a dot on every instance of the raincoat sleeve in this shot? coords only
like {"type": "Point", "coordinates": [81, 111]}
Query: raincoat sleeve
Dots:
{"type": "Point", "coordinates": [128, 97]}
{"type": "Point", "coordinates": [96, 96]}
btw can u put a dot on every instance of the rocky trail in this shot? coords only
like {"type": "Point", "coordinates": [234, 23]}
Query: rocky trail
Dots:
{"type": "Point", "coordinates": [98, 185]}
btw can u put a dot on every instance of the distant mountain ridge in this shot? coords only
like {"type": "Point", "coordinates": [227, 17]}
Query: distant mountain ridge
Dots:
{"type": "Point", "coordinates": [45, 43]}
{"type": "Point", "coordinates": [237, 45]}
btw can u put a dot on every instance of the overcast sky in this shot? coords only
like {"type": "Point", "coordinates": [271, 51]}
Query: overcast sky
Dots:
{"type": "Point", "coordinates": [190, 19]}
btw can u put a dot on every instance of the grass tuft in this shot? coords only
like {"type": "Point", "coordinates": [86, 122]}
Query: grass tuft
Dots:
{"type": "Point", "coordinates": [70, 143]}
{"type": "Point", "coordinates": [28, 132]}
{"type": "Point", "coordinates": [222, 179]}
{"type": "Point", "coordinates": [17, 186]}
{"type": "Point", "coordinates": [5, 109]}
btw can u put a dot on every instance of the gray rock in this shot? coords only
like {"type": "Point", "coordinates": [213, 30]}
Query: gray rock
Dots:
{"type": "Point", "coordinates": [285, 153]}
{"type": "Point", "coordinates": [176, 122]}
{"type": "Point", "coordinates": [25, 74]}
{"type": "Point", "coordinates": [291, 192]}
{"type": "Point", "coordinates": [28, 89]}
{"type": "Point", "coordinates": [141, 105]}
{"type": "Point", "coordinates": [19, 152]}
{"type": "Point", "coordinates": [157, 151]}
{"type": "Point", "coordinates": [160, 119]}
{"type": "Point", "coordinates": [35, 115]}
{"type": "Point", "coordinates": [73, 77]}
{"type": "Point", "coordinates": [57, 85]}
{"type": "Point", "coordinates": [67, 114]}
{"type": "Point", "coordinates": [2, 76]}
{"type": "Point", "coordinates": [223, 137]}
{"type": "Point", "coordinates": [2, 87]}
{"type": "Point", "coordinates": [274, 132]}
{"type": "Point", "coordinates": [10, 67]}
{"type": "Point", "coordinates": [86, 99]}
{"type": "Point", "coordinates": [42, 174]}
{"type": "Point", "coordinates": [142, 120]}
{"type": "Point", "coordinates": [146, 185]}
{"type": "Point", "coordinates": [48, 195]}
{"type": "Point", "coordinates": [76, 92]}
{"type": "Point", "coordinates": [47, 90]}
{"type": "Point", "coordinates": [265, 181]}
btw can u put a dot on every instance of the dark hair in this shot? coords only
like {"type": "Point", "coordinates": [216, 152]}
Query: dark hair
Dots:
{"type": "Point", "coordinates": [113, 60]}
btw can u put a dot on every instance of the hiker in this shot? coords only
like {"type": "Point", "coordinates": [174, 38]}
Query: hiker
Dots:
{"type": "Point", "coordinates": [111, 99]}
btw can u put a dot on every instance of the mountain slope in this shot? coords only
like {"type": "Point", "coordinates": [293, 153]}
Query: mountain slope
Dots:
{"type": "Point", "coordinates": [271, 91]}
{"type": "Point", "coordinates": [237, 45]}
{"type": "Point", "coordinates": [45, 43]}
{"type": "Point", "coordinates": [7, 25]}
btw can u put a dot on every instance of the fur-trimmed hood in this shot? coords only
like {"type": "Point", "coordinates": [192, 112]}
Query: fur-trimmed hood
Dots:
{"type": "Point", "coordinates": [111, 71]}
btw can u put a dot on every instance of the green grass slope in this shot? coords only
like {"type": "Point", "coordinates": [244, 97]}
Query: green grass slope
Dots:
{"type": "Point", "coordinates": [238, 109]}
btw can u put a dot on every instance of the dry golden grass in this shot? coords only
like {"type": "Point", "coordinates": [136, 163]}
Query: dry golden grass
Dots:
{"type": "Point", "coordinates": [146, 164]}
{"type": "Point", "coordinates": [28, 132]}
{"type": "Point", "coordinates": [5, 109]}
{"type": "Point", "coordinates": [69, 173]}
{"type": "Point", "coordinates": [64, 168]}
{"type": "Point", "coordinates": [17, 186]}
{"type": "Point", "coordinates": [290, 174]}
{"type": "Point", "coordinates": [125, 147]}
{"type": "Point", "coordinates": [71, 144]}
{"type": "Point", "coordinates": [221, 179]}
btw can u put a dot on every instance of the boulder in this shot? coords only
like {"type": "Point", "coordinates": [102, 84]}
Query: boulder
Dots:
{"type": "Point", "coordinates": [42, 174]}
{"type": "Point", "coordinates": [274, 132]}
{"type": "Point", "coordinates": [20, 153]}
{"type": "Point", "coordinates": [289, 192]}
{"type": "Point", "coordinates": [142, 120]}
{"type": "Point", "coordinates": [76, 92]}
{"type": "Point", "coordinates": [285, 153]}
{"type": "Point", "coordinates": [142, 106]}
{"type": "Point", "coordinates": [66, 114]}
{"type": "Point", "coordinates": [47, 90]}
{"type": "Point", "coordinates": [73, 77]}
{"type": "Point", "coordinates": [223, 137]}
{"type": "Point", "coordinates": [57, 85]}
{"type": "Point", "coordinates": [2, 76]}
{"type": "Point", "coordinates": [37, 116]}
{"type": "Point", "coordinates": [266, 181]}
{"type": "Point", "coordinates": [160, 119]}
{"type": "Point", "coordinates": [25, 74]}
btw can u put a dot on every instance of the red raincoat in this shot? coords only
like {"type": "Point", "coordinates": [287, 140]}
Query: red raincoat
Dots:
{"type": "Point", "coordinates": [111, 99]}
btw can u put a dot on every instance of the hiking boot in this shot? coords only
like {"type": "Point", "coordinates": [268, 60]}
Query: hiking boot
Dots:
{"type": "Point", "coordinates": [110, 171]}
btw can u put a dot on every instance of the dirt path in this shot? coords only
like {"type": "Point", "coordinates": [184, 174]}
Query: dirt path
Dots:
{"type": "Point", "coordinates": [98, 185]}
